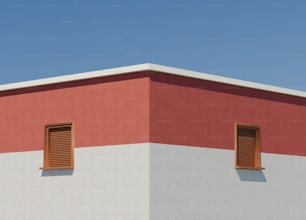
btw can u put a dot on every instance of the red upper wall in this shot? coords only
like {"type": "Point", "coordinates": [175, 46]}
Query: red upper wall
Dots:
{"type": "Point", "coordinates": [151, 107]}
{"type": "Point", "coordinates": [194, 112]}
{"type": "Point", "coordinates": [108, 110]}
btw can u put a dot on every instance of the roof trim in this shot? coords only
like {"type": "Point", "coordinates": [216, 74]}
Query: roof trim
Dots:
{"type": "Point", "coordinates": [75, 77]}
{"type": "Point", "coordinates": [151, 67]}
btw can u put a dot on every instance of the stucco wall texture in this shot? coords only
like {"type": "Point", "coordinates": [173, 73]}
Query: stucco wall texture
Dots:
{"type": "Point", "coordinates": [194, 112]}
{"type": "Point", "coordinates": [150, 145]}
{"type": "Point", "coordinates": [152, 107]}
{"type": "Point", "coordinates": [105, 111]}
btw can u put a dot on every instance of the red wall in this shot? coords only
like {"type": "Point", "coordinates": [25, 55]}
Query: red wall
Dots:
{"type": "Point", "coordinates": [151, 107]}
{"type": "Point", "coordinates": [109, 110]}
{"type": "Point", "coordinates": [193, 112]}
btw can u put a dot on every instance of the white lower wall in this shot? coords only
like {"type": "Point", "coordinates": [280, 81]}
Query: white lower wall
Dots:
{"type": "Point", "coordinates": [201, 183]}
{"type": "Point", "coordinates": [152, 181]}
{"type": "Point", "coordinates": [109, 182]}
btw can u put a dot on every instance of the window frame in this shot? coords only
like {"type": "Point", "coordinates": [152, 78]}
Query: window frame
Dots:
{"type": "Point", "coordinates": [257, 165]}
{"type": "Point", "coordinates": [47, 129]}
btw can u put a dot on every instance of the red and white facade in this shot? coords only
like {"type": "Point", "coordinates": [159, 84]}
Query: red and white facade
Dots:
{"type": "Point", "coordinates": [152, 142]}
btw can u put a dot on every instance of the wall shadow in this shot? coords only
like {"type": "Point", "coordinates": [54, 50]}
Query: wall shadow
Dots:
{"type": "Point", "coordinates": [251, 175]}
{"type": "Point", "coordinates": [62, 172]}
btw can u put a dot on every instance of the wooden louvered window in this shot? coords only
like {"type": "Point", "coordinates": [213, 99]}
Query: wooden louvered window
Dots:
{"type": "Point", "coordinates": [59, 145]}
{"type": "Point", "coordinates": [248, 147]}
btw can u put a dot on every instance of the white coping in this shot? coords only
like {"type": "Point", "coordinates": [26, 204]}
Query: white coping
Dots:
{"type": "Point", "coordinates": [151, 67]}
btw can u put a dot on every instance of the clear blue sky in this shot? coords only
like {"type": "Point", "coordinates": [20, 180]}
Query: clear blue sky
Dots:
{"type": "Point", "coordinates": [262, 41]}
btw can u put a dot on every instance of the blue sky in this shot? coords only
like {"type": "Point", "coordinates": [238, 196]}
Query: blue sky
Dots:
{"type": "Point", "coordinates": [261, 41]}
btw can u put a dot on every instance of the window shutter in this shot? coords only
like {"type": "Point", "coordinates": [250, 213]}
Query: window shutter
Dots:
{"type": "Point", "coordinates": [59, 146]}
{"type": "Point", "coordinates": [248, 147]}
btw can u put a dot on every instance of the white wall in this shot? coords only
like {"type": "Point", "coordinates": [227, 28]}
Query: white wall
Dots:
{"type": "Point", "coordinates": [152, 181]}
{"type": "Point", "coordinates": [110, 182]}
{"type": "Point", "coordinates": [201, 183]}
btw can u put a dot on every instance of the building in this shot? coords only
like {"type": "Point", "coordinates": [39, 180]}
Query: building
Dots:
{"type": "Point", "coordinates": [151, 142]}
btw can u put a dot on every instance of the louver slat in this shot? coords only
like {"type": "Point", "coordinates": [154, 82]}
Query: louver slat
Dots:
{"type": "Point", "coordinates": [246, 147]}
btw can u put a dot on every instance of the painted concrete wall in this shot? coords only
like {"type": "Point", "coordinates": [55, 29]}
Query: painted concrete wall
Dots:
{"type": "Point", "coordinates": [151, 107]}
{"type": "Point", "coordinates": [106, 111]}
{"type": "Point", "coordinates": [110, 182]}
{"type": "Point", "coordinates": [201, 183]}
{"type": "Point", "coordinates": [194, 112]}
{"type": "Point", "coordinates": [152, 181]}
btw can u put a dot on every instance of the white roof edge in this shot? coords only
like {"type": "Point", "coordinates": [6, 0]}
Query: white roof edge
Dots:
{"type": "Point", "coordinates": [151, 67]}
{"type": "Point", "coordinates": [75, 77]}
{"type": "Point", "coordinates": [227, 80]}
